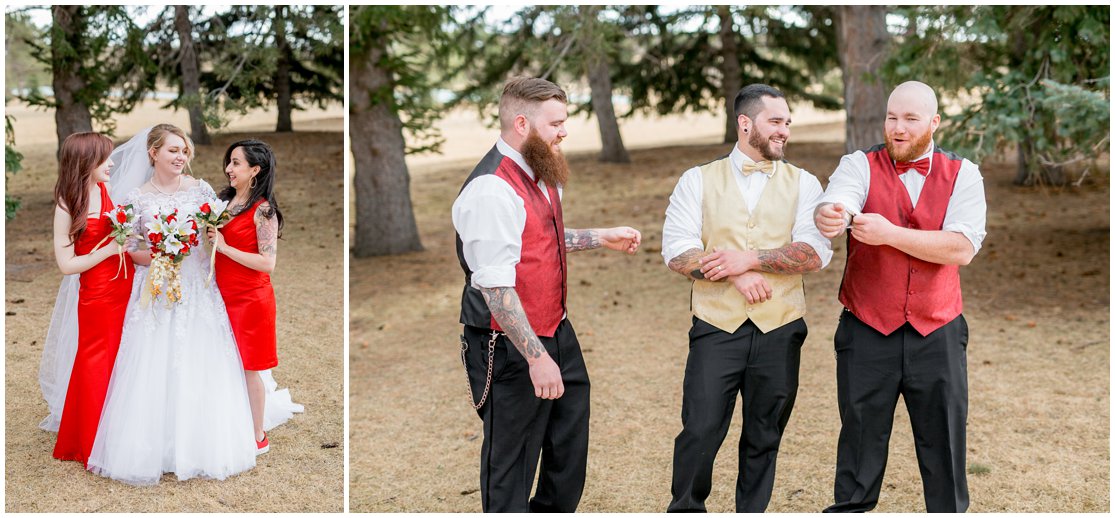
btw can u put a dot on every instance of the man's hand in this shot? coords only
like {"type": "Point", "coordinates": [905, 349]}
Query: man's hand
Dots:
{"type": "Point", "coordinates": [831, 219]}
{"type": "Point", "coordinates": [546, 377]}
{"type": "Point", "coordinates": [728, 263]}
{"type": "Point", "coordinates": [623, 239]}
{"type": "Point", "coordinates": [753, 287]}
{"type": "Point", "coordinates": [872, 229]}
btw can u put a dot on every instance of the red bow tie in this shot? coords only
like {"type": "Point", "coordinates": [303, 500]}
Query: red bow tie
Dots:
{"type": "Point", "coordinates": [921, 166]}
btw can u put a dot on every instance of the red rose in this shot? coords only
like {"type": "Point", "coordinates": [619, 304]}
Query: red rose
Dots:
{"type": "Point", "coordinates": [155, 238]}
{"type": "Point", "coordinates": [171, 217]}
{"type": "Point", "coordinates": [193, 239]}
{"type": "Point", "coordinates": [193, 223]}
{"type": "Point", "coordinates": [185, 250]}
{"type": "Point", "coordinates": [121, 217]}
{"type": "Point", "coordinates": [205, 208]}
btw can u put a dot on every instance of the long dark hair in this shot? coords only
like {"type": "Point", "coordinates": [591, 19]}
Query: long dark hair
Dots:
{"type": "Point", "coordinates": [80, 154]}
{"type": "Point", "coordinates": [257, 153]}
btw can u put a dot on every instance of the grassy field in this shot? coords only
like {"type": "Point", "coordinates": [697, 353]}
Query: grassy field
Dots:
{"type": "Point", "coordinates": [304, 470]}
{"type": "Point", "coordinates": [1036, 299]}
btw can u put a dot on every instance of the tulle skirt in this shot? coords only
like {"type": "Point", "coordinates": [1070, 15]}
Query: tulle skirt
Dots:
{"type": "Point", "coordinates": [177, 401]}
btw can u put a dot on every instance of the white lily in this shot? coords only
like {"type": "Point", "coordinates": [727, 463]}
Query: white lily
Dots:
{"type": "Point", "coordinates": [172, 245]}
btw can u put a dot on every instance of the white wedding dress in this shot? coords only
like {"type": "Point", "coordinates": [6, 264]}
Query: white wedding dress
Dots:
{"type": "Point", "coordinates": [177, 401]}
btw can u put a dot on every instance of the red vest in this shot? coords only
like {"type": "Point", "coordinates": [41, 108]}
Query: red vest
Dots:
{"type": "Point", "coordinates": [540, 275]}
{"type": "Point", "coordinates": [885, 287]}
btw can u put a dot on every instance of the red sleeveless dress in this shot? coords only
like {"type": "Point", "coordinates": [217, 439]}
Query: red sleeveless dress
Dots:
{"type": "Point", "coordinates": [102, 303]}
{"type": "Point", "coordinates": [248, 295]}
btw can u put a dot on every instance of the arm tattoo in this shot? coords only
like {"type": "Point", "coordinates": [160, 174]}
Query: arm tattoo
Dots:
{"type": "Point", "coordinates": [576, 240]}
{"type": "Point", "coordinates": [267, 232]}
{"type": "Point", "coordinates": [792, 258]}
{"type": "Point", "coordinates": [688, 264]}
{"type": "Point", "coordinates": [508, 313]}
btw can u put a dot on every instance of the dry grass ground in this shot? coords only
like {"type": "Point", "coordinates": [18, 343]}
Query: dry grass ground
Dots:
{"type": "Point", "coordinates": [304, 472]}
{"type": "Point", "coordinates": [1037, 303]}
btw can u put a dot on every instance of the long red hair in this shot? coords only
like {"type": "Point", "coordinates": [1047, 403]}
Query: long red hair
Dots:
{"type": "Point", "coordinates": [81, 153]}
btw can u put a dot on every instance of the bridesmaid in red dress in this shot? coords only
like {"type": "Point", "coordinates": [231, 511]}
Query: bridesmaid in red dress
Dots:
{"type": "Point", "coordinates": [245, 259]}
{"type": "Point", "coordinates": [81, 199]}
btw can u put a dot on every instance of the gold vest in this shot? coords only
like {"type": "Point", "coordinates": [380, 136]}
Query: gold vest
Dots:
{"type": "Point", "coordinates": [727, 224]}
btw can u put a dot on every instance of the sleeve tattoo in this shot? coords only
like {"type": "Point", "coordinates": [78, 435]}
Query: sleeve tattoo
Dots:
{"type": "Point", "coordinates": [688, 264]}
{"type": "Point", "coordinates": [267, 233]}
{"type": "Point", "coordinates": [792, 258]}
{"type": "Point", "coordinates": [508, 313]}
{"type": "Point", "coordinates": [577, 240]}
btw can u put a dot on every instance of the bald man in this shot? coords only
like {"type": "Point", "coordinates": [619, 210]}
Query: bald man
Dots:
{"type": "Point", "coordinates": [915, 213]}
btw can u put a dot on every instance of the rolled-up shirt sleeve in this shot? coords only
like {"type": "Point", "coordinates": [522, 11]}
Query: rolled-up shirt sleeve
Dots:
{"type": "Point", "coordinates": [805, 231]}
{"type": "Point", "coordinates": [967, 209]}
{"type": "Point", "coordinates": [489, 217]}
{"type": "Point", "coordinates": [682, 229]}
{"type": "Point", "coordinates": [849, 183]}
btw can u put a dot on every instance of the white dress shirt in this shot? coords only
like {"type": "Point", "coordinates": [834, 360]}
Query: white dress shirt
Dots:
{"type": "Point", "coordinates": [490, 217]}
{"type": "Point", "coordinates": [684, 220]}
{"type": "Point", "coordinates": [967, 208]}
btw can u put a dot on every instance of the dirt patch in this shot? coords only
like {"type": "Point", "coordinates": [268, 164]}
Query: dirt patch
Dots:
{"type": "Point", "coordinates": [304, 472]}
{"type": "Point", "coordinates": [1036, 299]}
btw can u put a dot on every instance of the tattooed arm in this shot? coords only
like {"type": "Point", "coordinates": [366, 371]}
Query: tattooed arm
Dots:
{"type": "Point", "coordinates": [624, 239]}
{"type": "Point", "coordinates": [267, 236]}
{"type": "Point", "coordinates": [688, 263]}
{"type": "Point", "coordinates": [793, 258]}
{"type": "Point", "coordinates": [503, 302]}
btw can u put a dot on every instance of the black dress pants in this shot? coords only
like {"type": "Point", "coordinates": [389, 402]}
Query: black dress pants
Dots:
{"type": "Point", "coordinates": [760, 367]}
{"type": "Point", "coordinates": [519, 427]}
{"type": "Point", "coordinates": [931, 374]}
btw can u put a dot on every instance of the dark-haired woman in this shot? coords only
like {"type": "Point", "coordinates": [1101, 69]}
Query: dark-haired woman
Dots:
{"type": "Point", "coordinates": [246, 248]}
{"type": "Point", "coordinates": [80, 223]}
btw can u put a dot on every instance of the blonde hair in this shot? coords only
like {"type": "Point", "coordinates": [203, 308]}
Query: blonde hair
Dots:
{"type": "Point", "coordinates": [522, 95]}
{"type": "Point", "coordinates": [157, 137]}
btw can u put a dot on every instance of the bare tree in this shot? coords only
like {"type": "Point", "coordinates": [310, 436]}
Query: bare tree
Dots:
{"type": "Point", "coordinates": [599, 73]}
{"type": "Point", "coordinates": [863, 40]}
{"type": "Point", "coordinates": [191, 76]}
{"type": "Point", "coordinates": [384, 214]}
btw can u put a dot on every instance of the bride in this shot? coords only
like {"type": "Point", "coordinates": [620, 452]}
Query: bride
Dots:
{"type": "Point", "coordinates": [177, 400]}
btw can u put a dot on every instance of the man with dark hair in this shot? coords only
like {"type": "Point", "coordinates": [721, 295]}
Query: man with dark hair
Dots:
{"type": "Point", "coordinates": [524, 364]}
{"type": "Point", "coordinates": [741, 229]}
{"type": "Point", "coordinates": [915, 214]}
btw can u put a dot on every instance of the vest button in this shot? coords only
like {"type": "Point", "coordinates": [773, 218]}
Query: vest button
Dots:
{"type": "Point", "coordinates": [751, 225]}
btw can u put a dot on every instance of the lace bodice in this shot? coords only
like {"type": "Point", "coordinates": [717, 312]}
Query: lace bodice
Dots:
{"type": "Point", "coordinates": [187, 201]}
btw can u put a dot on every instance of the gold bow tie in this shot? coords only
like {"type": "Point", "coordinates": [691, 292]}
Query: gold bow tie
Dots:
{"type": "Point", "coordinates": [766, 167]}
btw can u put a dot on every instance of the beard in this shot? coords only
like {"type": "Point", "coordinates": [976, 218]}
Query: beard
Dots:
{"type": "Point", "coordinates": [548, 165]}
{"type": "Point", "coordinates": [914, 148]}
{"type": "Point", "coordinates": [762, 144]}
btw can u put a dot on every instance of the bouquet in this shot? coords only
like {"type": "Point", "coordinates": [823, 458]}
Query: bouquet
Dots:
{"type": "Point", "coordinates": [172, 238]}
{"type": "Point", "coordinates": [213, 214]}
{"type": "Point", "coordinates": [122, 218]}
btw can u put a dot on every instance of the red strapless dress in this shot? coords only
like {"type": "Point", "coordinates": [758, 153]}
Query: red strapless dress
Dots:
{"type": "Point", "coordinates": [102, 303]}
{"type": "Point", "coordinates": [248, 295]}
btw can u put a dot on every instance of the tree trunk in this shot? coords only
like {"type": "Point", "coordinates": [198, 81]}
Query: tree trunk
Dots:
{"type": "Point", "coordinates": [282, 73]}
{"type": "Point", "coordinates": [863, 40]}
{"type": "Point", "coordinates": [384, 215]}
{"type": "Point", "coordinates": [732, 80]}
{"type": "Point", "coordinates": [191, 77]}
{"type": "Point", "coordinates": [71, 115]}
{"type": "Point", "coordinates": [599, 75]}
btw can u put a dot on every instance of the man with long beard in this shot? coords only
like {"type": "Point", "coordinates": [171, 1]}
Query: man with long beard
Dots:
{"type": "Point", "coordinates": [916, 213]}
{"type": "Point", "coordinates": [528, 378]}
{"type": "Point", "coordinates": [741, 229]}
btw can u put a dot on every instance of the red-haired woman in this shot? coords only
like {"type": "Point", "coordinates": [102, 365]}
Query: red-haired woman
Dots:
{"type": "Point", "coordinates": [80, 223]}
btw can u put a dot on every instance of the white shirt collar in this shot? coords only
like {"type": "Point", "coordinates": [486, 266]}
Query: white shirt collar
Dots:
{"type": "Point", "coordinates": [739, 159]}
{"type": "Point", "coordinates": [506, 150]}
